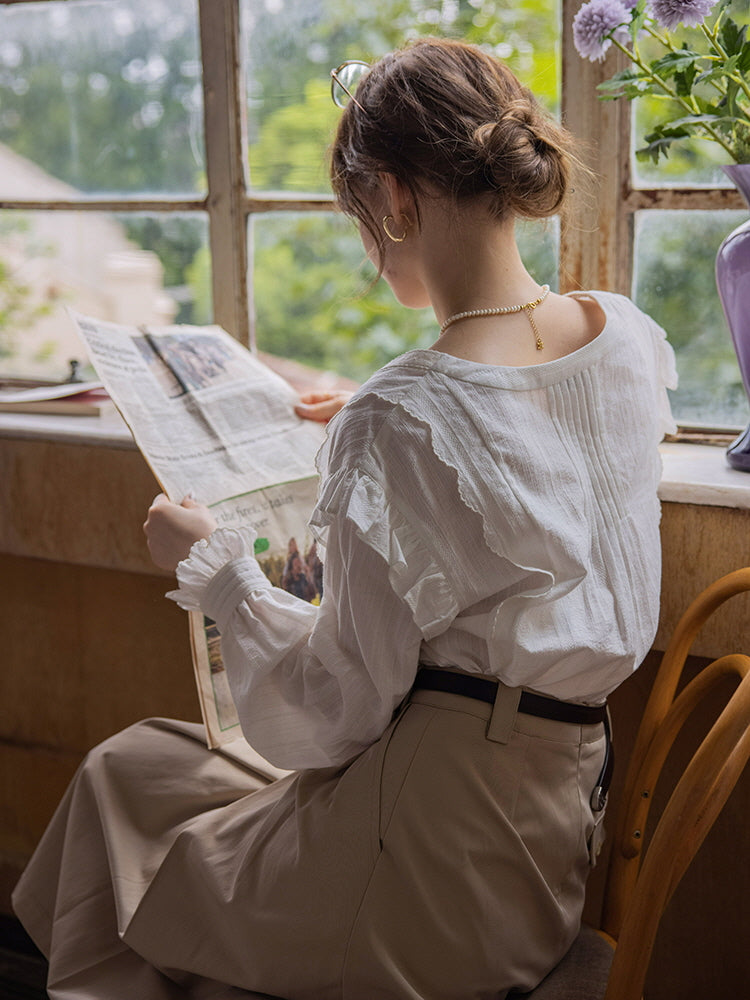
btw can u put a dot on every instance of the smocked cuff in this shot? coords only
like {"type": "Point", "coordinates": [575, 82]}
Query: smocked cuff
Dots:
{"type": "Point", "coordinates": [217, 570]}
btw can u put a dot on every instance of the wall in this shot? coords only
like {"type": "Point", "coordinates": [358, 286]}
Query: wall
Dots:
{"type": "Point", "coordinates": [90, 645]}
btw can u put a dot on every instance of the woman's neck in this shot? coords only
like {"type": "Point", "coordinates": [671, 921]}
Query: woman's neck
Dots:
{"type": "Point", "coordinates": [471, 261]}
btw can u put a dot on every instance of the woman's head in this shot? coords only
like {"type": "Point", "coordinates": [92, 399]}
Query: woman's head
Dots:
{"type": "Point", "coordinates": [445, 118]}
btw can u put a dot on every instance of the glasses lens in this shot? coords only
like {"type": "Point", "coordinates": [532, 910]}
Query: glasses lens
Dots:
{"type": "Point", "coordinates": [345, 81]}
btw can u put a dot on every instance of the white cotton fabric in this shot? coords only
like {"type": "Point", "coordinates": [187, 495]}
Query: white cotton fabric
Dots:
{"type": "Point", "coordinates": [499, 520]}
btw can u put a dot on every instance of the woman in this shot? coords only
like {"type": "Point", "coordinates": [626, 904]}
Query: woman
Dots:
{"type": "Point", "coordinates": [489, 519]}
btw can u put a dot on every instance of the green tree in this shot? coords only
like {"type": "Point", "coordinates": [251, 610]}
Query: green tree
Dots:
{"type": "Point", "coordinates": [103, 98]}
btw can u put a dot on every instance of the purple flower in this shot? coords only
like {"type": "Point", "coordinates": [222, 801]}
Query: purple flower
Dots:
{"type": "Point", "coordinates": [670, 13]}
{"type": "Point", "coordinates": [594, 22]}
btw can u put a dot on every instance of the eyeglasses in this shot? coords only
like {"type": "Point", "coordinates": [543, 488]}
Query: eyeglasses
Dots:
{"type": "Point", "coordinates": [344, 81]}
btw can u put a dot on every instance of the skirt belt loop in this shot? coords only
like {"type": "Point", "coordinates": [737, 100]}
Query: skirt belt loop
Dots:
{"type": "Point", "coordinates": [504, 710]}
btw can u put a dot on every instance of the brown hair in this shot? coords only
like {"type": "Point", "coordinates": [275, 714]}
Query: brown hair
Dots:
{"type": "Point", "coordinates": [444, 114]}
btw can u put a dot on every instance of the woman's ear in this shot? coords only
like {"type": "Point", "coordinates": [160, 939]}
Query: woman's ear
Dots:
{"type": "Point", "coordinates": [397, 195]}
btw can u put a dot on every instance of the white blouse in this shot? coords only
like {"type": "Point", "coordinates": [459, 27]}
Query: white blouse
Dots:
{"type": "Point", "coordinates": [500, 520]}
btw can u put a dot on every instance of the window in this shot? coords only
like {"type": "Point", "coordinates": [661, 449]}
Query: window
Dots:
{"type": "Point", "coordinates": [165, 160]}
{"type": "Point", "coordinates": [102, 171]}
{"type": "Point", "coordinates": [654, 234]}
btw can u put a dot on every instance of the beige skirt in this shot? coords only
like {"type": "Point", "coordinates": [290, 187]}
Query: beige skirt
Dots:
{"type": "Point", "coordinates": [439, 864]}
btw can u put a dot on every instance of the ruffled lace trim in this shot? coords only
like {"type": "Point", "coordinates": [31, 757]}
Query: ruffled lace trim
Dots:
{"type": "Point", "coordinates": [667, 370]}
{"type": "Point", "coordinates": [207, 556]}
{"type": "Point", "coordinates": [509, 530]}
{"type": "Point", "coordinates": [415, 575]}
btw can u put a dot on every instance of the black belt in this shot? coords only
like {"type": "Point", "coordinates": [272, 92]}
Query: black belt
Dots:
{"type": "Point", "coordinates": [485, 689]}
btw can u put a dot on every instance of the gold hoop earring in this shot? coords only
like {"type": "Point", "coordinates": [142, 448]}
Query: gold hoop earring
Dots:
{"type": "Point", "coordinates": [386, 226]}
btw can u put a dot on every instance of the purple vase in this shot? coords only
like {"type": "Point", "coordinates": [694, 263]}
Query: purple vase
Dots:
{"type": "Point", "coordinates": [733, 283]}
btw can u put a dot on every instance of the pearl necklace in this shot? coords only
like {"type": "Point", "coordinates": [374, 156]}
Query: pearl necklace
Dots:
{"type": "Point", "coordinates": [527, 307]}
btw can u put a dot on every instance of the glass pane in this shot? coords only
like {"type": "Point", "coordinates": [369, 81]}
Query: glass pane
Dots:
{"type": "Point", "coordinates": [675, 255]}
{"type": "Point", "coordinates": [313, 301]}
{"type": "Point", "coordinates": [693, 162]}
{"type": "Point", "coordinates": [127, 268]}
{"type": "Point", "coordinates": [102, 96]}
{"type": "Point", "coordinates": [291, 46]}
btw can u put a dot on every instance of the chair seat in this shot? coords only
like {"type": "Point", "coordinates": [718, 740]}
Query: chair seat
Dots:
{"type": "Point", "coordinates": [581, 975]}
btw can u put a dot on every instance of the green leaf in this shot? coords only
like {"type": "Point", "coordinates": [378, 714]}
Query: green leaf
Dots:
{"type": "Point", "coordinates": [707, 107]}
{"type": "Point", "coordinates": [654, 150]}
{"type": "Point", "coordinates": [684, 80]}
{"type": "Point", "coordinates": [672, 62]}
{"type": "Point", "coordinates": [731, 99]}
{"type": "Point", "coordinates": [729, 108]}
{"type": "Point", "coordinates": [694, 121]}
{"type": "Point", "coordinates": [721, 71]}
{"type": "Point", "coordinates": [628, 84]}
{"type": "Point", "coordinates": [743, 62]}
{"type": "Point", "coordinates": [673, 130]}
{"type": "Point", "coordinates": [659, 142]}
{"type": "Point", "coordinates": [622, 76]}
{"type": "Point", "coordinates": [732, 37]}
{"type": "Point", "coordinates": [630, 93]}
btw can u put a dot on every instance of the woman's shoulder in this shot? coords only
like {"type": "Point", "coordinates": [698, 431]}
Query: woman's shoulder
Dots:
{"type": "Point", "coordinates": [390, 396]}
{"type": "Point", "coordinates": [395, 388]}
{"type": "Point", "coordinates": [405, 427]}
{"type": "Point", "coordinates": [618, 307]}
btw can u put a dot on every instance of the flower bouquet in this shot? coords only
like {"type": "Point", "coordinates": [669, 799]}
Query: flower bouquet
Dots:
{"type": "Point", "coordinates": [701, 73]}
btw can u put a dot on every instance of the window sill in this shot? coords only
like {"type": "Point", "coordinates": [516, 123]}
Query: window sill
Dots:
{"type": "Point", "coordinates": [699, 474]}
{"type": "Point", "coordinates": [693, 473]}
{"type": "Point", "coordinates": [108, 430]}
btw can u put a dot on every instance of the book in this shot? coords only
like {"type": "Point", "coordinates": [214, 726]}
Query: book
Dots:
{"type": "Point", "coordinates": [84, 399]}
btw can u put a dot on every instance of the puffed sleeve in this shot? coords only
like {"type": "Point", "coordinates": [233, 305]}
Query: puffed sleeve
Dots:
{"type": "Point", "coordinates": [314, 686]}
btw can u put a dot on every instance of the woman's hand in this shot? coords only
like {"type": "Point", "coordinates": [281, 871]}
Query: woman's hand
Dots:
{"type": "Point", "coordinates": [321, 406]}
{"type": "Point", "coordinates": [171, 529]}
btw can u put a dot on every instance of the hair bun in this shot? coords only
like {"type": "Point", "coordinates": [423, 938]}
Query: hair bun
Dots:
{"type": "Point", "coordinates": [522, 161]}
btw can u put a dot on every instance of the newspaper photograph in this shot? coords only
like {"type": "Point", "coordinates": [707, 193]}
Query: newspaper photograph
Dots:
{"type": "Point", "coordinates": [213, 421]}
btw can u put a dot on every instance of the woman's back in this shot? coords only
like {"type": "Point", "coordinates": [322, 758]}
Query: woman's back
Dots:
{"type": "Point", "coordinates": [531, 494]}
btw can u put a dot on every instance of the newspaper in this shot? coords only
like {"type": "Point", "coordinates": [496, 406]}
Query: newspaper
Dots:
{"type": "Point", "coordinates": [214, 421]}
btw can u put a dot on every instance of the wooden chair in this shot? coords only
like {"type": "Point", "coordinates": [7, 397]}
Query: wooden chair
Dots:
{"type": "Point", "coordinates": [611, 963]}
